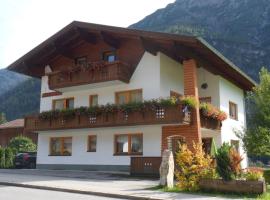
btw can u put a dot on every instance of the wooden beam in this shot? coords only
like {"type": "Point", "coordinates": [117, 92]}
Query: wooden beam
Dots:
{"type": "Point", "coordinates": [86, 36]}
{"type": "Point", "coordinates": [62, 50]}
{"type": "Point", "coordinates": [149, 46]}
{"type": "Point", "coordinates": [110, 40]}
{"type": "Point", "coordinates": [188, 53]}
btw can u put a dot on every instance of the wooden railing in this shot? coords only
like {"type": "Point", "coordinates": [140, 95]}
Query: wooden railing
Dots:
{"type": "Point", "coordinates": [169, 115]}
{"type": "Point", "coordinates": [210, 123]}
{"type": "Point", "coordinates": [94, 72]}
{"type": "Point", "coordinates": [145, 166]}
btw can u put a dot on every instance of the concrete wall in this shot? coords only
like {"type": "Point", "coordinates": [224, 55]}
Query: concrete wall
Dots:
{"type": "Point", "coordinates": [105, 145]}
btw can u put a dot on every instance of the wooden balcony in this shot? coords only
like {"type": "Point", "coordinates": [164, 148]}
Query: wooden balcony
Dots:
{"type": "Point", "coordinates": [210, 123]}
{"type": "Point", "coordinates": [169, 115]}
{"type": "Point", "coordinates": [94, 72]}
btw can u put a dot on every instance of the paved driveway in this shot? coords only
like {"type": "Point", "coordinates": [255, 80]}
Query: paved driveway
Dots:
{"type": "Point", "coordinates": [92, 182]}
{"type": "Point", "coordinates": [12, 193]}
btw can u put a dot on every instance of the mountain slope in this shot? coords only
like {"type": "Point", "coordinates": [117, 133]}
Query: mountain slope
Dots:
{"type": "Point", "coordinates": [21, 100]}
{"type": "Point", "coordinates": [237, 28]}
{"type": "Point", "coordinates": [9, 80]}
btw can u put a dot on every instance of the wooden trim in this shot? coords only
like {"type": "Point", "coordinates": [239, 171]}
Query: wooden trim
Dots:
{"type": "Point", "coordinates": [127, 93]}
{"type": "Point", "coordinates": [65, 102]}
{"type": "Point", "coordinates": [91, 99]}
{"type": "Point", "coordinates": [231, 104]}
{"type": "Point", "coordinates": [62, 145]}
{"type": "Point", "coordinates": [129, 153]}
{"type": "Point", "coordinates": [205, 99]}
{"type": "Point", "coordinates": [89, 139]}
{"type": "Point", "coordinates": [51, 94]}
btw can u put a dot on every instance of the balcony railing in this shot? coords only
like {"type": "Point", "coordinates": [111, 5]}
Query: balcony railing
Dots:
{"type": "Point", "coordinates": [168, 115]}
{"type": "Point", "coordinates": [94, 72]}
{"type": "Point", "coordinates": [210, 123]}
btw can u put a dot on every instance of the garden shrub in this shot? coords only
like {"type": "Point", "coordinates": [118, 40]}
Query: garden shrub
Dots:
{"type": "Point", "coordinates": [228, 162]}
{"type": "Point", "coordinates": [9, 158]}
{"type": "Point", "coordinates": [22, 144]}
{"type": "Point", "coordinates": [2, 157]}
{"type": "Point", "coordinates": [223, 162]}
{"type": "Point", "coordinates": [191, 166]}
{"type": "Point", "coordinates": [266, 175]}
{"type": "Point", "coordinates": [253, 174]}
{"type": "Point", "coordinates": [235, 162]}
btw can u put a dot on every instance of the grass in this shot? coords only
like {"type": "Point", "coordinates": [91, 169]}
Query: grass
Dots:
{"type": "Point", "coordinates": [265, 196]}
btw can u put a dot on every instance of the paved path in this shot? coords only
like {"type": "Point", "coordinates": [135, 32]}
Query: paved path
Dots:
{"type": "Point", "coordinates": [17, 193]}
{"type": "Point", "coordinates": [93, 183]}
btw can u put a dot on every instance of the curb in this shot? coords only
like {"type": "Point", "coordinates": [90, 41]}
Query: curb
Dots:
{"type": "Point", "coordinates": [102, 194]}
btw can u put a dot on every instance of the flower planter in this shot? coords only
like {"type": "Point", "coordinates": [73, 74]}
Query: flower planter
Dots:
{"type": "Point", "coordinates": [233, 186]}
{"type": "Point", "coordinates": [207, 122]}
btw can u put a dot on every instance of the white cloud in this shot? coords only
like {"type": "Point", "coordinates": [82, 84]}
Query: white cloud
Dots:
{"type": "Point", "coordinates": [26, 23]}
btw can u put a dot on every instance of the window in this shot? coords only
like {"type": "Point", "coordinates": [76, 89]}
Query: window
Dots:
{"type": "Point", "coordinates": [175, 94]}
{"type": "Point", "coordinates": [93, 100]}
{"type": "Point", "coordinates": [128, 96]}
{"type": "Point", "coordinates": [235, 144]}
{"type": "Point", "coordinates": [129, 144]}
{"type": "Point", "coordinates": [92, 143]}
{"type": "Point", "coordinates": [60, 104]}
{"type": "Point", "coordinates": [82, 61]}
{"type": "Point", "coordinates": [205, 99]}
{"type": "Point", "coordinates": [61, 146]}
{"type": "Point", "coordinates": [109, 56]}
{"type": "Point", "coordinates": [233, 111]}
{"type": "Point", "coordinates": [207, 143]}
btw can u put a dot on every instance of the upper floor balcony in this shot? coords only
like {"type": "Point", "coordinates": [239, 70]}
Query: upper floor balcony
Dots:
{"type": "Point", "coordinates": [94, 72]}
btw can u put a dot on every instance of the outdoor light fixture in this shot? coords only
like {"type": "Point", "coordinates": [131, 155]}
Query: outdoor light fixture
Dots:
{"type": "Point", "coordinates": [204, 86]}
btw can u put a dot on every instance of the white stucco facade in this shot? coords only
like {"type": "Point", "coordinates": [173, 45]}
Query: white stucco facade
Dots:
{"type": "Point", "coordinates": [104, 154]}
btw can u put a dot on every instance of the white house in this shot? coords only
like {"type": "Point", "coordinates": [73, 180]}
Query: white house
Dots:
{"type": "Point", "coordinates": [85, 65]}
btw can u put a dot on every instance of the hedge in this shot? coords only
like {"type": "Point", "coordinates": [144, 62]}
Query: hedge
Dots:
{"type": "Point", "coordinates": [266, 175]}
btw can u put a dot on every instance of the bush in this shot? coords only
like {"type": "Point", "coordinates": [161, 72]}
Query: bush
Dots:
{"type": "Point", "coordinates": [9, 158]}
{"type": "Point", "coordinates": [2, 157]}
{"type": "Point", "coordinates": [228, 162]}
{"type": "Point", "coordinates": [266, 175]}
{"type": "Point", "coordinates": [253, 174]}
{"type": "Point", "coordinates": [235, 162]}
{"type": "Point", "coordinates": [191, 166]}
{"type": "Point", "coordinates": [22, 144]}
{"type": "Point", "coordinates": [223, 162]}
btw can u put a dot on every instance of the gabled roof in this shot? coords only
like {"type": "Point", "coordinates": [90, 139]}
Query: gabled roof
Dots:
{"type": "Point", "coordinates": [182, 47]}
{"type": "Point", "coordinates": [17, 123]}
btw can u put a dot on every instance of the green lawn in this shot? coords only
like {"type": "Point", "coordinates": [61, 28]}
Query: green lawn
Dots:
{"type": "Point", "coordinates": [265, 196]}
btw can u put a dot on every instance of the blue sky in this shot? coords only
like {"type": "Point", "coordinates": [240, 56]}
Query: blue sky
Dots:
{"type": "Point", "coordinates": [26, 23]}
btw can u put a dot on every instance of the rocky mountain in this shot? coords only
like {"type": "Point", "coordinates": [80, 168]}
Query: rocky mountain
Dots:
{"type": "Point", "coordinates": [237, 28]}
